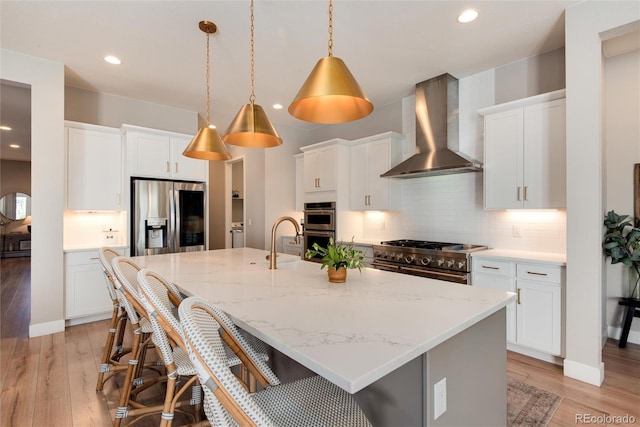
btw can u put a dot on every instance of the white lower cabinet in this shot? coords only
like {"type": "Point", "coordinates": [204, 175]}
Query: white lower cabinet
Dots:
{"type": "Point", "coordinates": [535, 319]}
{"type": "Point", "coordinates": [290, 247]}
{"type": "Point", "coordinates": [86, 292]}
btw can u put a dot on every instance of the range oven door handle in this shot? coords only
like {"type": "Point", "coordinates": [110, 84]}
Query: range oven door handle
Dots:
{"type": "Point", "coordinates": [418, 271]}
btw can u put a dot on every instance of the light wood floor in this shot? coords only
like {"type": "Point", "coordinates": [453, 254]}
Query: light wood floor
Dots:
{"type": "Point", "coordinates": [50, 380]}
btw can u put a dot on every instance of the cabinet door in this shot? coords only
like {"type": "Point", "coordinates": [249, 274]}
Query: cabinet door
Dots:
{"type": "Point", "coordinates": [545, 155]}
{"type": "Point", "coordinates": [300, 183]}
{"type": "Point", "coordinates": [320, 170]}
{"type": "Point", "coordinates": [94, 170]}
{"type": "Point", "coordinates": [359, 177]}
{"type": "Point", "coordinates": [503, 144]}
{"type": "Point", "coordinates": [377, 164]}
{"type": "Point", "coordinates": [183, 167]}
{"type": "Point", "coordinates": [503, 283]}
{"type": "Point", "coordinates": [539, 316]}
{"type": "Point", "coordinates": [86, 290]}
{"type": "Point", "coordinates": [149, 154]}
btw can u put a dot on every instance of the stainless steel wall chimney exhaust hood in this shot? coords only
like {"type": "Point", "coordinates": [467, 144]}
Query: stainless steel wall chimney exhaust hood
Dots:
{"type": "Point", "coordinates": [436, 133]}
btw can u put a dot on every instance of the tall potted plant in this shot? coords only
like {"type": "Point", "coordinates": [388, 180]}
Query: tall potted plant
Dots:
{"type": "Point", "coordinates": [621, 242]}
{"type": "Point", "coordinates": [338, 258]}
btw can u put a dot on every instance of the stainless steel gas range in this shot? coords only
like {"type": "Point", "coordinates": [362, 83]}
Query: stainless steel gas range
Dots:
{"type": "Point", "coordinates": [436, 260]}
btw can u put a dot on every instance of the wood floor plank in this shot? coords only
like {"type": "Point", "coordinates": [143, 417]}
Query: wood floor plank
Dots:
{"type": "Point", "coordinates": [53, 394]}
{"type": "Point", "coordinates": [17, 403]}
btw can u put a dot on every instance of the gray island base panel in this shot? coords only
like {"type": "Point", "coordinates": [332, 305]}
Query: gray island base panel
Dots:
{"type": "Point", "coordinates": [385, 337]}
{"type": "Point", "coordinates": [474, 363]}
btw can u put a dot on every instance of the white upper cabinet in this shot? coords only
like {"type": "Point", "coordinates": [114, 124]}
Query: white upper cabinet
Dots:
{"type": "Point", "coordinates": [94, 167]}
{"type": "Point", "coordinates": [158, 154]}
{"type": "Point", "coordinates": [371, 157]}
{"type": "Point", "coordinates": [525, 154]}
{"type": "Point", "coordinates": [320, 169]}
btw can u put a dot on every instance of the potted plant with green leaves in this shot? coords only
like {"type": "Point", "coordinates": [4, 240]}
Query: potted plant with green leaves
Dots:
{"type": "Point", "coordinates": [338, 258]}
{"type": "Point", "coordinates": [621, 242]}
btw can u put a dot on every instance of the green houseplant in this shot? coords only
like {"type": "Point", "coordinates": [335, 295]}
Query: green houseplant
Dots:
{"type": "Point", "coordinates": [621, 242]}
{"type": "Point", "coordinates": [338, 258]}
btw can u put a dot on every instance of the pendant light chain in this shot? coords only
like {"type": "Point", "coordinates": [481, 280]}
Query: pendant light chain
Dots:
{"type": "Point", "coordinates": [252, 97]}
{"type": "Point", "coordinates": [330, 29]}
{"type": "Point", "coordinates": [207, 80]}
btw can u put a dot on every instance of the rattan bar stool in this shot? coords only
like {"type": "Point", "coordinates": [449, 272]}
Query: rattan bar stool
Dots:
{"type": "Point", "coordinates": [126, 271]}
{"type": "Point", "coordinates": [113, 350]}
{"type": "Point", "coordinates": [307, 402]}
{"type": "Point", "coordinates": [161, 299]}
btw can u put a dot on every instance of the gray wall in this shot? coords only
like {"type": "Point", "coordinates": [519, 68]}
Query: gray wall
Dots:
{"type": "Point", "coordinates": [104, 109]}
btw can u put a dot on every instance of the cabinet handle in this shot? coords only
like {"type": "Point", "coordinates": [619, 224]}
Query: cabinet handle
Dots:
{"type": "Point", "coordinates": [536, 273]}
{"type": "Point", "coordinates": [518, 298]}
{"type": "Point", "coordinates": [525, 193]}
{"type": "Point", "coordinates": [490, 267]}
{"type": "Point", "coordinates": [518, 194]}
{"type": "Point", "coordinates": [176, 167]}
{"type": "Point", "coordinates": [168, 167]}
{"type": "Point", "coordinates": [94, 257]}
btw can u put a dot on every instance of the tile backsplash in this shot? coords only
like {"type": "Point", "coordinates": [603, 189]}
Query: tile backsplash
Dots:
{"type": "Point", "coordinates": [449, 208]}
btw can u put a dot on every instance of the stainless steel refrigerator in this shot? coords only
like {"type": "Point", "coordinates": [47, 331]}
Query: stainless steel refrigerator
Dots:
{"type": "Point", "coordinates": [167, 216]}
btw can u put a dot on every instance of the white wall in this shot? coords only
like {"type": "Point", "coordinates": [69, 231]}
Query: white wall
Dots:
{"type": "Point", "coordinates": [46, 79]}
{"type": "Point", "coordinates": [586, 25]}
{"type": "Point", "coordinates": [622, 151]}
{"type": "Point", "coordinates": [280, 183]}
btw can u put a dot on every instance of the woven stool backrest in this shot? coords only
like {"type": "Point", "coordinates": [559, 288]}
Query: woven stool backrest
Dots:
{"type": "Point", "coordinates": [126, 272]}
{"type": "Point", "coordinates": [208, 356]}
{"type": "Point", "coordinates": [106, 255]}
{"type": "Point", "coordinates": [155, 291]}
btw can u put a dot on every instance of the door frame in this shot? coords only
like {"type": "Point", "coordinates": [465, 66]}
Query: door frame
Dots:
{"type": "Point", "coordinates": [228, 188]}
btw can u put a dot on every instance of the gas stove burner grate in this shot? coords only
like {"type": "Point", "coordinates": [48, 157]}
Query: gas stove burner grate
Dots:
{"type": "Point", "coordinates": [418, 244]}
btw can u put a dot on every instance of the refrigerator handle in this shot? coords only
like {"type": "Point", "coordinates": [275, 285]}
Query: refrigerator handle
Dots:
{"type": "Point", "coordinates": [174, 213]}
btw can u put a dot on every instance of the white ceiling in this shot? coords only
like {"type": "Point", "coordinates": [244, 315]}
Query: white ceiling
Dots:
{"type": "Point", "coordinates": [389, 46]}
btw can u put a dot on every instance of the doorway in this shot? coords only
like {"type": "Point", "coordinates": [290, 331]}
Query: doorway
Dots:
{"type": "Point", "coordinates": [15, 209]}
{"type": "Point", "coordinates": [235, 203]}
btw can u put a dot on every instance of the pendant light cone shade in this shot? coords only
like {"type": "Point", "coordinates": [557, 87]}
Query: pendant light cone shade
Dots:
{"type": "Point", "coordinates": [330, 95]}
{"type": "Point", "coordinates": [207, 145]}
{"type": "Point", "coordinates": [252, 128]}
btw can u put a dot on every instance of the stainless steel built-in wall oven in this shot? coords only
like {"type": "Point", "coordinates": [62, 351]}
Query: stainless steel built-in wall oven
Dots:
{"type": "Point", "coordinates": [319, 224]}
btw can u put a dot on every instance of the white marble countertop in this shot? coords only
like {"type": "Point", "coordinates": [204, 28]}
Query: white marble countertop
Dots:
{"type": "Point", "coordinates": [526, 256]}
{"type": "Point", "coordinates": [352, 333]}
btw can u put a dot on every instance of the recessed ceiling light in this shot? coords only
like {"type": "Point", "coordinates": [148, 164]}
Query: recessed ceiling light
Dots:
{"type": "Point", "coordinates": [113, 60]}
{"type": "Point", "coordinates": [5, 128]}
{"type": "Point", "coordinates": [467, 16]}
{"type": "Point", "coordinates": [14, 146]}
{"type": "Point", "coordinates": [277, 106]}
{"type": "Point", "coordinates": [212, 126]}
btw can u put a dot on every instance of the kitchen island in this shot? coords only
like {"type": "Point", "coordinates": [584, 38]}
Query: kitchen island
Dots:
{"type": "Point", "coordinates": [387, 338]}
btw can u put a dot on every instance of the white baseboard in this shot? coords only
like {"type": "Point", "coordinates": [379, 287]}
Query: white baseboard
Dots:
{"type": "Point", "coordinates": [47, 328]}
{"type": "Point", "coordinates": [88, 319]}
{"type": "Point", "coordinates": [585, 373]}
{"type": "Point", "coordinates": [615, 332]}
{"type": "Point", "coordinates": [556, 360]}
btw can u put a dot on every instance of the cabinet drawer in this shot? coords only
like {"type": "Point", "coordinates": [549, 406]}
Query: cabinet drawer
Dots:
{"type": "Point", "coordinates": [539, 273]}
{"type": "Point", "coordinates": [488, 266]}
{"type": "Point", "coordinates": [84, 257]}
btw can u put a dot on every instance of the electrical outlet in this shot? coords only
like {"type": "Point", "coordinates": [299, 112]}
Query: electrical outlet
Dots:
{"type": "Point", "coordinates": [439, 398]}
{"type": "Point", "coordinates": [517, 230]}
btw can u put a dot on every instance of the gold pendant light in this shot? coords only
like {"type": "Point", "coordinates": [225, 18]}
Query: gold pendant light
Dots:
{"type": "Point", "coordinates": [207, 145]}
{"type": "Point", "coordinates": [251, 126]}
{"type": "Point", "coordinates": [330, 94]}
